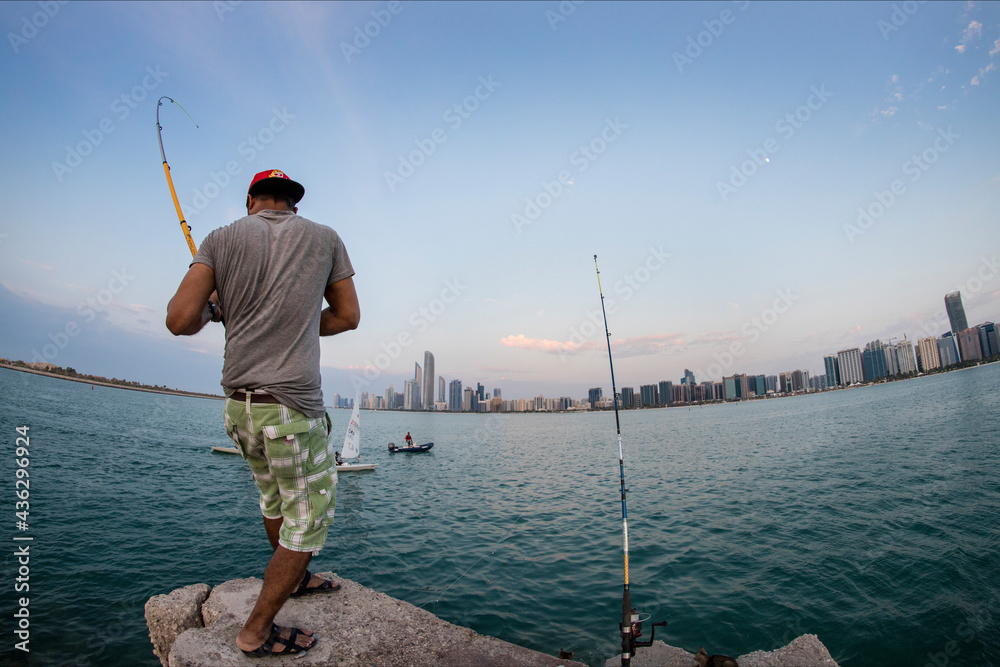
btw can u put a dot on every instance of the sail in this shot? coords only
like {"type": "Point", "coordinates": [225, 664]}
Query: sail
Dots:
{"type": "Point", "coordinates": [352, 441]}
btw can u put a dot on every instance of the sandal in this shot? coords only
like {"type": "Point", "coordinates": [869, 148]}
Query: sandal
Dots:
{"type": "Point", "coordinates": [267, 648]}
{"type": "Point", "coordinates": [326, 587]}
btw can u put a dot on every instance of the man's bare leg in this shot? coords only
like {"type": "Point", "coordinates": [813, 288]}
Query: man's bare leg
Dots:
{"type": "Point", "coordinates": [273, 526]}
{"type": "Point", "coordinates": [283, 575]}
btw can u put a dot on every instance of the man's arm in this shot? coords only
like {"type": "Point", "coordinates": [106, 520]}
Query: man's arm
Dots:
{"type": "Point", "coordinates": [344, 312]}
{"type": "Point", "coordinates": [188, 311]}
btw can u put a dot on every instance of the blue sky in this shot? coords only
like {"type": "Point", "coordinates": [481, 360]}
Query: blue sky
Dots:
{"type": "Point", "coordinates": [763, 183]}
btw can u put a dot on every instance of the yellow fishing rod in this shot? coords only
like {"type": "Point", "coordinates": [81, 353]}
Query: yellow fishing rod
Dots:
{"type": "Point", "coordinates": [166, 170]}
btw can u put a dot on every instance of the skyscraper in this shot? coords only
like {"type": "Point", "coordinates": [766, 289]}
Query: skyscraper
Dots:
{"type": "Point", "coordinates": [666, 391]}
{"type": "Point", "coordinates": [627, 396]}
{"type": "Point", "coordinates": [850, 366]}
{"type": "Point", "coordinates": [929, 357]}
{"type": "Point", "coordinates": [968, 344]}
{"type": "Point", "coordinates": [418, 377]}
{"type": "Point", "coordinates": [904, 354]}
{"type": "Point", "coordinates": [947, 350]}
{"type": "Point", "coordinates": [411, 395]}
{"type": "Point", "coordinates": [988, 339]}
{"type": "Point", "coordinates": [428, 386]}
{"type": "Point", "coordinates": [594, 395]}
{"type": "Point", "coordinates": [874, 363]}
{"type": "Point", "coordinates": [832, 366]}
{"type": "Point", "coordinates": [956, 312]}
{"type": "Point", "coordinates": [455, 396]}
{"type": "Point", "coordinates": [688, 377]}
{"type": "Point", "coordinates": [649, 395]}
{"type": "Point", "coordinates": [441, 389]}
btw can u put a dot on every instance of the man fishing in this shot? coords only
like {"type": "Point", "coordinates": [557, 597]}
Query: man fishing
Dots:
{"type": "Point", "coordinates": [266, 276]}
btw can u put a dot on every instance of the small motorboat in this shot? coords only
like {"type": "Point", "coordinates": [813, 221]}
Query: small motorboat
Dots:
{"type": "Point", "coordinates": [225, 450]}
{"type": "Point", "coordinates": [414, 449]}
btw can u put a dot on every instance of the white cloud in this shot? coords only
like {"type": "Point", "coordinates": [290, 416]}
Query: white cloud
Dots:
{"type": "Point", "coordinates": [971, 32]}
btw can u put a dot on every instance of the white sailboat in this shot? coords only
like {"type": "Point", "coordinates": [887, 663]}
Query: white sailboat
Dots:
{"type": "Point", "coordinates": [352, 443]}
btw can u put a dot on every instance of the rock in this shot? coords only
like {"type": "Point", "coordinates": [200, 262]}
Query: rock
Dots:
{"type": "Point", "coordinates": [356, 627]}
{"type": "Point", "coordinates": [167, 616]}
{"type": "Point", "coordinates": [805, 651]}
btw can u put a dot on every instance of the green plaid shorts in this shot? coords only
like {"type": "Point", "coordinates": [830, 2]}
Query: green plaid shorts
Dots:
{"type": "Point", "coordinates": [291, 458]}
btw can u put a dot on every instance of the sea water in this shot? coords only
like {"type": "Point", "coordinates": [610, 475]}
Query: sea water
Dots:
{"type": "Point", "coordinates": [870, 517]}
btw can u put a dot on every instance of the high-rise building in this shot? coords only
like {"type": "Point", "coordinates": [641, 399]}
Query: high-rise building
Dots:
{"type": "Point", "coordinates": [729, 388]}
{"type": "Point", "coordinates": [904, 354]}
{"type": "Point", "coordinates": [650, 395]}
{"type": "Point", "coordinates": [411, 395]}
{"type": "Point", "coordinates": [441, 389]}
{"type": "Point", "coordinates": [666, 391]}
{"type": "Point", "coordinates": [627, 398]}
{"type": "Point", "coordinates": [390, 396]}
{"type": "Point", "coordinates": [968, 344]}
{"type": "Point", "coordinates": [850, 366]}
{"type": "Point", "coordinates": [428, 386]}
{"type": "Point", "coordinates": [956, 312]}
{"type": "Point", "coordinates": [874, 361]}
{"type": "Point", "coordinates": [594, 396]}
{"type": "Point", "coordinates": [947, 350]}
{"type": "Point", "coordinates": [891, 359]}
{"type": "Point", "coordinates": [467, 395]}
{"type": "Point", "coordinates": [929, 357]}
{"type": "Point", "coordinates": [418, 377]}
{"type": "Point", "coordinates": [688, 377]}
{"type": "Point", "coordinates": [708, 390]}
{"type": "Point", "coordinates": [989, 340]}
{"type": "Point", "coordinates": [832, 366]}
{"type": "Point", "coordinates": [496, 392]}
{"type": "Point", "coordinates": [455, 396]}
{"type": "Point", "coordinates": [772, 383]}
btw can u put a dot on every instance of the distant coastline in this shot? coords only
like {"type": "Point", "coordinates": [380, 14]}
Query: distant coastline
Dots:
{"type": "Point", "coordinates": [59, 373]}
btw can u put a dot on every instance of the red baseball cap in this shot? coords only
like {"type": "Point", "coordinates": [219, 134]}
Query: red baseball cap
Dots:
{"type": "Point", "coordinates": [275, 181]}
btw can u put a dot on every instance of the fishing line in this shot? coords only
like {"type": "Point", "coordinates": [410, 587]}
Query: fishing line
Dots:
{"type": "Point", "coordinates": [166, 170]}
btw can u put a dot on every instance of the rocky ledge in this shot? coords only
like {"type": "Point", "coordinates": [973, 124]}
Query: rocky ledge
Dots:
{"type": "Point", "coordinates": [805, 651]}
{"type": "Point", "coordinates": [196, 626]}
{"type": "Point", "coordinates": [356, 626]}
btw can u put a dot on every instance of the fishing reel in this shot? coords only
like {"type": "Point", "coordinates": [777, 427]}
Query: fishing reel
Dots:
{"type": "Point", "coordinates": [631, 634]}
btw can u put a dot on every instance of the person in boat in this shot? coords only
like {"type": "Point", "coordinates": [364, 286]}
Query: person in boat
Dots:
{"type": "Point", "coordinates": [336, 457]}
{"type": "Point", "coordinates": [409, 440]}
{"type": "Point", "coordinates": [270, 272]}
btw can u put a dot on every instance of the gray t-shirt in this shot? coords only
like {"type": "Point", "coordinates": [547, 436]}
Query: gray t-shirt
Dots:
{"type": "Point", "coordinates": [271, 270]}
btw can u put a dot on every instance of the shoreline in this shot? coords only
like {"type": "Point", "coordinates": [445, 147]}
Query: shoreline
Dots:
{"type": "Point", "coordinates": [191, 394]}
{"type": "Point", "coordinates": [82, 380]}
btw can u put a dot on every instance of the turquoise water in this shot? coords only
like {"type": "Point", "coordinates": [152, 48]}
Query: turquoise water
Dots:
{"type": "Point", "coordinates": [870, 517]}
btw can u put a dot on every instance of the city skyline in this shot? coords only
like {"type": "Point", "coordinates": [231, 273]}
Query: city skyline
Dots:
{"type": "Point", "coordinates": [789, 179]}
{"type": "Point", "coordinates": [878, 359]}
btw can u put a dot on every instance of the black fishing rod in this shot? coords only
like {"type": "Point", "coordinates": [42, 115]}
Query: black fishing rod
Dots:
{"type": "Point", "coordinates": [630, 627]}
